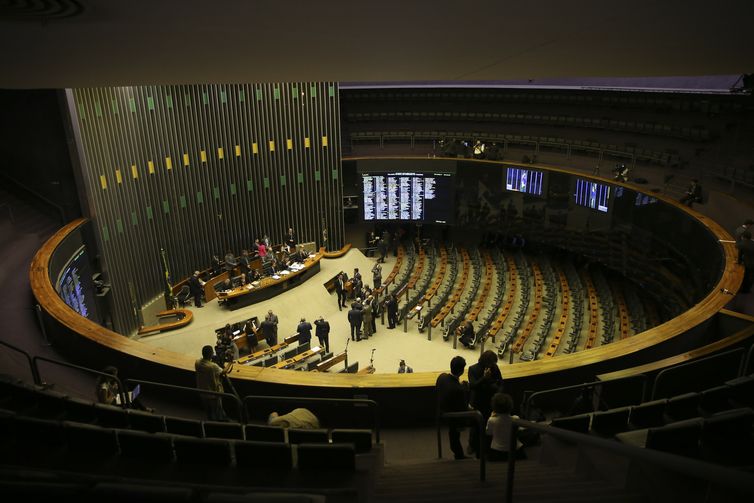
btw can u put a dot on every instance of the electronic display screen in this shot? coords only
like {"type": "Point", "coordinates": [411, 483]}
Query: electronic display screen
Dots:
{"type": "Point", "coordinates": [409, 196]}
{"type": "Point", "coordinates": [75, 285]}
{"type": "Point", "coordinates": [592, 195]}
{"type": "Point", "coordinates": [528, 181]}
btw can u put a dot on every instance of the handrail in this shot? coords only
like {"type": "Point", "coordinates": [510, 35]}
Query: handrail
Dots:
{"type": "Point", "coordinates": [481, 448]}
{"type": "Point", "coordinates": [674, 368]}
{"type": "Point", "coordinates": [732, 479]}
{"type": "Point", "coordinates": [374, 406]}
{"type": "Point", "coordinates": [525, 407]}
{"type": "Point", "coordinates": [124, 401]}
{"type": "Point", "coordinates": [242, 418]}
{"type": "Point", "coordinates": [32, 368]}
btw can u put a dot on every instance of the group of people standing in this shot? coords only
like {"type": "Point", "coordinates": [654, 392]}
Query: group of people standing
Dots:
{"type": "Point", "coordinates": [482, 392]}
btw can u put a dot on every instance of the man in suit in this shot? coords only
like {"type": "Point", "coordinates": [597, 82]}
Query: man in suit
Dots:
{"type": "Point", "coordinates": [355, 318]}
{"type": "Point", "coordinates": [304, 330]}
{"type": "Point", "coordinates": [452, 396]}
{"type": "Point", "coordinates": [340, 289]}
{"type": "Point", "coordinates": [377, 275]}
{"type": "Point", "coordinates": [693, 194]}
{"type": "Point", "coordinates": [392, 311]}
{"type": "Point", "coordinates": [196, 287]}
{"type": "Point", "coordinates": [272, 318]}
{"type": "Point", "coordinates": [323, 333]}
{"type": "Point", "coordinates": [485, 380]}
{"type": "Point", "coordinates": [290, 239]}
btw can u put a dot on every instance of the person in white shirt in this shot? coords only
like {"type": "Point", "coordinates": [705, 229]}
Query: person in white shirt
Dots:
{"type": "Point", "coordinates": [499, 428]}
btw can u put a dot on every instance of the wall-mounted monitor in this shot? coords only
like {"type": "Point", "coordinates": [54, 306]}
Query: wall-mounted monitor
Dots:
{"type": "Point", "coordinates": [76, 287]}
{"type": "Point", "coordinates": [524, 180]}
{"type": "Point", "coordinates": [409, 197]}
{"type": "Point", "coordinates": [592, 195]}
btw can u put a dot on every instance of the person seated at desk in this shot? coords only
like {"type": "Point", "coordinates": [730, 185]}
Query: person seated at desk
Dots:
{"type": "Point", "coordinates": [238, 281]}
{"type": "Point", "coordinates": [252, 276]}
{"type": "Point", "coordinates": [299, 256]}
{"type": "Point", "coordinates": [223, 286]}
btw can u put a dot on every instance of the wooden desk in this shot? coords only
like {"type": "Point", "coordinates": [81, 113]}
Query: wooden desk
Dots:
{"type": "Point", "coordinates": [268, 287]}
{"type": "Point", "coordinates": [325, 365]}
{"type": "Point", "coordinates": [298, 358]}
{"type": "Point", "coordinates": [182, 318]}
{"type": "Point", "coordinates": [263, 353]}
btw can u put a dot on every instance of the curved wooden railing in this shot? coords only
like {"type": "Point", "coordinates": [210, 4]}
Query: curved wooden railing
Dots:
{"type": "Point", "coordinates": [56, 310]}
{"type": "Point", "coordinates": [336, 253]}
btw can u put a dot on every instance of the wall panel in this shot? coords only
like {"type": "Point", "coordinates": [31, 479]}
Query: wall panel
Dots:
{"type": "Point", "coordinates": [200, 169]}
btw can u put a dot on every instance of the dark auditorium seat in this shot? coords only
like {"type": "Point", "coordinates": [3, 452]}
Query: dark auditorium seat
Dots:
{"type": "Point", "coordinates": [742, 391]}
{"type": "Point", "coordinates": [608, 423]}
{"type": "Point", "coordinates": [715, 400]}
{"type": "Point", "coordinates": [681, 437]}
{"type": "Point", "coordinates": [111, 416]}
{"type": "Point", "coordinates": [326, 457]}
{"type": "Point", "coordinates": [578, 423]}
{"type": "Point", "coordinates": [208, 458]}
{"type": "Point", "coordinates": [115, 492]}
{"type": "Point", "coordinates": [648, 414]}
{"type": "Point", "coordinates": [728, 438]}
{"type": "Point", "coordinates": [183, 426]}
{"type": "Point", "coordinates": [683, 406]}
{"type": "Point", "coordinates": [268, 455]}
{"type": "Point", "coordinates": [219, 429]}
{"type": "Point", "coordinates": [361, 439]}
{"type": "Point", "coordinates": [265, 497]}
{"type": "Point", "coordinates": [264, 433]}
{"type": "Point", "coordinates": [145, 452]}
{"type": "Point", "coordinates": [92, 446]}
{"type": "Point", "coordinates": [146, 421]}
{"type": "Point", "coordinates": [301, 436]}
{"type": "Point", "coordinates": [32, 441]}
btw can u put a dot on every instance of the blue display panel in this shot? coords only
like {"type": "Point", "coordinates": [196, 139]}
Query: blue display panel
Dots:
{"type": "Point", "coordinates": [75, 285]}
{"type": "Point", "coordinates": [524, 180]}
{"type": "Point", "coordinates": [592, 195]}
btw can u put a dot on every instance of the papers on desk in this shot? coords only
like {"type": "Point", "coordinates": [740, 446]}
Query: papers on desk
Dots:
{"type": "Point", "coordinates": [255, 283]}
{"type": "Point", "coordinates": [285, 273]}
{"type": "Point", "coordinates": [249, 286]}
{"type": "Point", "coordinates": [275, 276]}
{"type": "Point", "coordinates": [297, 266]}
{"type": "Point", "coordinates": [236, 332]}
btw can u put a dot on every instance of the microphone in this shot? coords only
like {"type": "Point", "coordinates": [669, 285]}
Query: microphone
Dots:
{"type": "Point", "coordinates": [725, 290]}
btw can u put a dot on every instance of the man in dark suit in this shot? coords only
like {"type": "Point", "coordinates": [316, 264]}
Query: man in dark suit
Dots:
{"type": "Point", "coordinates": [392, 311]}
{"type": "Point", "coordinates": [452, 396]}
{"type": "Point", "coordinates": [485, 380]}
{"type": "Point", "coordinates": [304, 332]}
{"type": "Point", "coordinates": [355, 317]}
{"type": "Point", "coordinates": [323, 333]}
{"type": "Point", "coordinates": [340, 289]}
{"type": "Point", "coordinates": [290, 240]}
{"type": "Point", "coordinates": [693, 194]}
{"type": "Point", "coordinates": [196, 287]}
{"type": "Point", "coordinates": [269, 330]}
